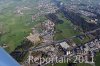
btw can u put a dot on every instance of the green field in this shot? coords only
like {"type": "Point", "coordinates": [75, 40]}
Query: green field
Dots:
{"type": "Point", "coordinates": [16, 27]}
{"type": "Point", "coordinates": [97, 59]}
{"type": "Point", "coordinates": [83, 41]}
{"type": "Point", "coordinates": [66, 28]}
{"type": "Point", "coordinates": [83, 64]}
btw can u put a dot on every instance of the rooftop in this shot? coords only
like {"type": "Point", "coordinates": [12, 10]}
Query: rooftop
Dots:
{"type": "Point", "coordinates": [64, 45]}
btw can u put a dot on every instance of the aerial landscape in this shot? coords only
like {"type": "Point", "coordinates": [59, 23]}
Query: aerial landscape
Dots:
{"type": "Point", "coordinates": [51, 32]}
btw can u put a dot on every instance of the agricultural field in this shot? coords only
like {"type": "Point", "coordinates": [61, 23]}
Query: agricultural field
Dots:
{"type": "Point", "coordinates": [97, 59]}
{"type": "Point", "coordinates": [83, 64]}
{"type": "Point", "coordinates": [65, 28]}
{"type": "Point", "coordinates": [16, 21]}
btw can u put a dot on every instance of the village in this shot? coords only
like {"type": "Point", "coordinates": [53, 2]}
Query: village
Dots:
{"type": "Point", "coordinates": [44, 45]}
{"type": "Point", "coordinates": [48, 48]}
{"type": "Point", "coordinates": [54, 26]}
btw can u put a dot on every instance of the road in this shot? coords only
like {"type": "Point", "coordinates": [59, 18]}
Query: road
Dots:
{"type": "Point", "coordinates": [57, 42]}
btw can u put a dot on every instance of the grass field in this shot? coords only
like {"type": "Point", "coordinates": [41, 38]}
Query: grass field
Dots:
{"type": "Point", "coordinates": [97, 59]}
{"type": "Point", "coordinates": [14, 26]}
{"type": "Point", "coordinates": [66, 28]}
{"type": "Point", "coordinates": [83, 64]}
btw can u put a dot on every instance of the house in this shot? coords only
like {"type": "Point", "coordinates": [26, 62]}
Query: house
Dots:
{"type": "Point", "coordinates": [64, 45]}
{"type": "Point", "coordinates": [48, 25]}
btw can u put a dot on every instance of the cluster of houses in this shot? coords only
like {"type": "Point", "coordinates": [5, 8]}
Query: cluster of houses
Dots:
{"type": "Point", "coordinates": [50, 49]}
{"type": "Point", "coordinates": [46, 34]}
{"type": "Point", "coordinates": [67, 48]}
{"type": "Point", "coordinates": [48, 6]}
{"type": "Point", "coordinates": [19, 10]}
{"type": "Point", "coordinates": [87, 50]}
{"type": "Point", "coordinates": [48, 26]}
